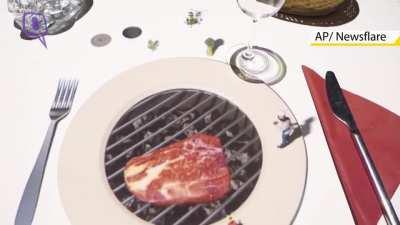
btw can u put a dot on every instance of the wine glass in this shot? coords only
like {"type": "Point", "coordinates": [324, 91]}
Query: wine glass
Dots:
{"type": "Point", "coordinates": [256, 62]}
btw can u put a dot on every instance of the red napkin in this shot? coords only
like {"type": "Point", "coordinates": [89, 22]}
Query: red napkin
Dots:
{"type": "Point", "coordinates": [380, 129]}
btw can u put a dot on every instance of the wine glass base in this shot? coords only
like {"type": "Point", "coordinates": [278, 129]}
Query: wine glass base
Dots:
{"type": "Point", "coordinates": [274, 73]}
{"type": "Point", "coordinates": [254, 63]}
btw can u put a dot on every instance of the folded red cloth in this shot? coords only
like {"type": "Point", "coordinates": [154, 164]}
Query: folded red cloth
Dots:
{"type": "Point", "coordinates": [380, 129]}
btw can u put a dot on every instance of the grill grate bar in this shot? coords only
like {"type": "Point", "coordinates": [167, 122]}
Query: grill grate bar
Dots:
{"type": "Point", "coordinates": [119, 187]}
{"type": "Point", "coordinates": [141, 103]}
{"type": "Point", "coordinates": [116, 173]}
{"type": "Point", "coordinates": [218, 120]}
{"type": "Point", "coordinates": [146, 112]}
{"type": "Point", "coordinates": [142, 209]}
{"type": "Point", "coordinates": [231, 125]}
{"type": "Point", "coordinates": [231, 198]}
{"type": "Point", "coordinates": [147, 204]}
{"type": "Point", "coordinates": [240, 134]}
{"type": "Point", "coordinates": [189, 213]}
{"type": "Point", "coordinates": [194, 209]}
{"type": "Point", "coordinates": [127, 200]}
{"type": "Point", "coordinates": [150, 123]}
{"type": "Point", "coordinates": [161, 214]}
{"type": "Point", "coordinates": [184, 129]}
{"type": "Point", "coordinates": [248, 144]}
{"type": "Point", "coordinates": [124, 152]}
{"type": "Point", "coordinates": [251, 160]}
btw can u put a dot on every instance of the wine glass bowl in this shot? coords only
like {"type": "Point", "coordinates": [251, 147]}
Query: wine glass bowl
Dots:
{"type": "Point", "coordinates": [259, 9]}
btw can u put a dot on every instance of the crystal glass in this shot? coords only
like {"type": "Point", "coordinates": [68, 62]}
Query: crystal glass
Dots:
{"type": "Point", "coordinates": [20, 6]}
{"type": "Point", "coordinates": [58, 13]}
{"type": "Point", "coordinates": [254, 61]}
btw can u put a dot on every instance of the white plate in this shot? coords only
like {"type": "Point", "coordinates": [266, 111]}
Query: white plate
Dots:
{"type": "Point", "coordinates": [84, 189]}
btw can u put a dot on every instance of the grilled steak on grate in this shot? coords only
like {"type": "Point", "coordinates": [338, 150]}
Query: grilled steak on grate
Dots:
{"type": "Point", "coordinates": [192, 170]}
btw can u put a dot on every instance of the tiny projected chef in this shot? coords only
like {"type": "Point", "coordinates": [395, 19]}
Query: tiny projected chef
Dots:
{"type": "Point", "coordinates": [285, 125]}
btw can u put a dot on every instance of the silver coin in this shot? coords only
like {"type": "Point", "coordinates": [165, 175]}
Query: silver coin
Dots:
{"type": "Point", "coordinates": [101, 40]}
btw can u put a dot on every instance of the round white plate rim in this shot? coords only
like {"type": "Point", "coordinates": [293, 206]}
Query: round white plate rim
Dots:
{"type": "Point", "coordinates": [95, 187]}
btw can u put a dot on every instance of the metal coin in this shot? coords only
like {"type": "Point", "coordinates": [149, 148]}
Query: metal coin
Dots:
{"type": "Point", "coordinates": [101, 40]}
{"type": "Point", "coordinates": [132, 32]}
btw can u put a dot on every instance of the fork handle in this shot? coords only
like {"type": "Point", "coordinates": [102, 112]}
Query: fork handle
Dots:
{"type": "Point", "coordinates": [28, 203]}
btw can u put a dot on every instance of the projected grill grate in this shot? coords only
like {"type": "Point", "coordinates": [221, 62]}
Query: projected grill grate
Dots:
{"type": "Point", "coordinates": [163, 118]}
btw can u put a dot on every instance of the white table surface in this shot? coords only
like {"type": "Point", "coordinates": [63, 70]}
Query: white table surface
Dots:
{"type": "Point", "coordinates": [29, 74]}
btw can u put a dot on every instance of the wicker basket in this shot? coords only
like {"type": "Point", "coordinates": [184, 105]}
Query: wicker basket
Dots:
{"type": "Point", "coordinates": [311, 7]}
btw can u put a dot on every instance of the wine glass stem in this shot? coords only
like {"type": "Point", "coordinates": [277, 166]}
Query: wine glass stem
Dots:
{"type": "Point", "coordinates": [248, 54]}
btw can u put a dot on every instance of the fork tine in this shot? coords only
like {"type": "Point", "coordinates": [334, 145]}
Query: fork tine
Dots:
{"type": "Point", "coordinates": [73, 91]}
{"type": "Point", "coordinates": [62, 96]}
{"type": "Point", "coordinates": [57, 93]}
{"type": "Point", "coordinates": [67, 94]}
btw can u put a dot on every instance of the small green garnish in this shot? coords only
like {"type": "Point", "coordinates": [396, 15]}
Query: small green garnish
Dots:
{"type": "Point", "coordinates": [153, 45]}
{"type": "Point", "coordinates": [194, 17]}
{"type": "Point", "coordinates": [213, 45]}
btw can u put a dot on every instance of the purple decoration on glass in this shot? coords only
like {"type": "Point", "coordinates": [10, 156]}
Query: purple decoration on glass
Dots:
{"type": "Point", "coordinates": [34, 25]}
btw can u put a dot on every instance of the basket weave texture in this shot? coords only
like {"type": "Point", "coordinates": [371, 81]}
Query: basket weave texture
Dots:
{"type": "Point", "coordinates": [311, 7]}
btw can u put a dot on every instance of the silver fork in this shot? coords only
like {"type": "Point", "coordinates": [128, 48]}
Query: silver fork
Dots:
{"type": "Point", "coordinates": [60, 109]}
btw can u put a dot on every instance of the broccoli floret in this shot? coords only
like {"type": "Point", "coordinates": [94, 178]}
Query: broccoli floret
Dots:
{"type": "Point", "coordinates": [213, 45]}
{"type": "Point", "coordinates": [210, 46]}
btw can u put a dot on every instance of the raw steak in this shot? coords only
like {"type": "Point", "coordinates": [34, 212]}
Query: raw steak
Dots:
{"type": "Point", "coordinates": [192, 170]}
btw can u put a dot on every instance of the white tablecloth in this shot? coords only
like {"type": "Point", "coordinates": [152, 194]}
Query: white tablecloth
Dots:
{"type": "Point", "coordinates": [29, 73]}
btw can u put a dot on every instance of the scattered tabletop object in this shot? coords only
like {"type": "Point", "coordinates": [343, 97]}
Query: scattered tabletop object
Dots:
{"type": "Point", "coordinates": [101, 40]}
{"type": "Point", "coordinates": [311, 7]}
{"type": "Point", "coordinates": [379, 128]}
{"type": "Point", "coordinates": [194, 17]}
{"type": "Point", "coordinates": [343, 112]}
{"type": "Point", "coordinates": [60, 17]}
{"type": "Point", "coordinates": [132, 32]}
{"type": "Point", "coordinates": [286, 128]}
{"type": "Point", "coordinates": [213, 45]}
{"type": "Point", "coordinates": [153, 44]}
{"type": "Point", "coordinates": [59, 110]}
{"type": "Point", "coordinates": [342, 14]}
{"type": "Point", "coordinates": [34, 26]}
{"type": "Point", "coordinates": [275, 64]}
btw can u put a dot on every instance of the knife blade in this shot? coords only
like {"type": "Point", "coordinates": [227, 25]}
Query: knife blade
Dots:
{"type": "Point", "coordinates": [342, 111]}
{"type": "Point", "coordinates": [338, 102]}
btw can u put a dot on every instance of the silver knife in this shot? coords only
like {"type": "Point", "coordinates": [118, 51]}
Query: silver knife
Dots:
{"type": "Point", "coordinates": [341, 109]}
